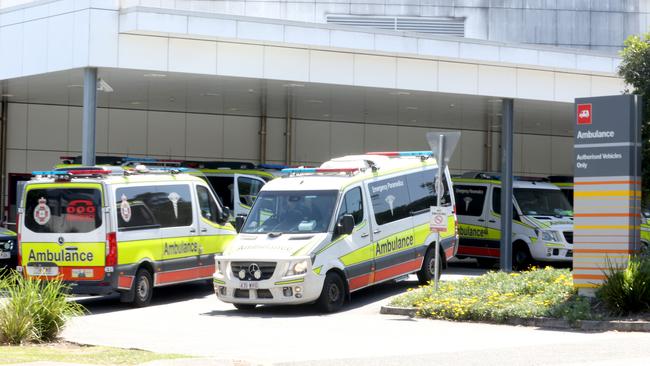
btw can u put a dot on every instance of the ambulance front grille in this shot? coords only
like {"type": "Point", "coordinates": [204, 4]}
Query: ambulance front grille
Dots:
{"type": "Point", "coordinates": [568, 236]}
{"type": "Point", "coordinates": [248, 270]}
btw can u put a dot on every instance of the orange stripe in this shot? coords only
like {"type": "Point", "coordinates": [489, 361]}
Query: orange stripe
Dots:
{"type": "Point", "coordinates": [607, 182]}
{"type": "Point", "coordinates": [397, 270]}
{"type": "Point", "coordinates": [606, 215]}
{"type": "Point", "coordinates": [588, 277]}
{"type": "Point", "coordinates": [359, 281]}
{"type": "Point", "coordinates": [125, 282]}
{"type": "Point", "coordinates": [604, 251]}
{"type": "Point", "coordinates": [176, 276]}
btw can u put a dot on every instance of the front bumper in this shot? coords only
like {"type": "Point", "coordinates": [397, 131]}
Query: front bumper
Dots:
{"type": "Point", "coordinates": [278, 289]}
{"type": "Point", "coordinates": [553, 252]}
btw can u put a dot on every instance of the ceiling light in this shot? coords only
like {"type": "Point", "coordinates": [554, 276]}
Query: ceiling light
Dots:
{"type": "Point", "coordinates": [135, 102]}
{"type": "Point", "coordinates": [210, 94]}
{"type": "Point", "coordinates": [326, 115]}
{"type": "Point", "coordinates": [314, 101]}
{"type": "Point", "coordinates": [251, 90]}
{"type": "Point", "coordinates": [452, 105]}
{"type": "Point", "coordinates": [75, 86]}
{"type": "Point", "coordinates": [154, 75]}
{"type": "Point", "coordinates": [412, 108]}
{"type": "Point", "coordinates": [7, 95]}
{"type": "Point", "coordinates": [233, 109]}
{"type": "Point", "coordinates": [293, 85]}
{"type": "Point", "coordinates": [399, 93]}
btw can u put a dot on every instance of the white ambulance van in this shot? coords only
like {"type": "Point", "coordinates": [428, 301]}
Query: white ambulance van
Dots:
{"type": "Point", "coordinates": [108, 230]}
{"type": "Point", "coordinates": [321, 233]}
{"type": "Point", "coordinates": [542, 226]}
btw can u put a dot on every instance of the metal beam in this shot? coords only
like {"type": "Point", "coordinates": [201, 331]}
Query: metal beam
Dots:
{"type": "Point", "coordinates": [506, 185]}
{"type": "Point", "coordinates": [89, 113]}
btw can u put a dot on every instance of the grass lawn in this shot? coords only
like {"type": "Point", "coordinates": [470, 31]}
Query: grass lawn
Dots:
{"type": "Point", "coordinates": [68, 352]}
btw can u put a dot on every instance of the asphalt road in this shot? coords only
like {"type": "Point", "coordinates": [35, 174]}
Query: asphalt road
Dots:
{"type": "Point", "coordinates": [188, 319]}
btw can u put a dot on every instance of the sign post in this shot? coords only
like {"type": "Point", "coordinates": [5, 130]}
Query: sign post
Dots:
{"type": "Point", "coordinates": [442, 146]}
{"type": "Point", "coordinates": [607, 186]}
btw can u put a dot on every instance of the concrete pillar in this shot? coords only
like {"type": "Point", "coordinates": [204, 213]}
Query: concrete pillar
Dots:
{"type": "Point", "coordinates": [89, 114]}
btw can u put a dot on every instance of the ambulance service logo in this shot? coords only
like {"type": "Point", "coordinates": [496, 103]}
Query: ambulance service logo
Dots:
{"type": "Point", "coordinates": [42, 212]}
{"type": "Point", "coordinates": [584, 114]}
{"type": "Point", "coordinates": [125, 209]}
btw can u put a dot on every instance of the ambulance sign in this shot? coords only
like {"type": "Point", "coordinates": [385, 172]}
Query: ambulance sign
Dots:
{"type": "Point", "coordinates": [584, 114]}
{"type": "Point", "coordinates": [438, 221]}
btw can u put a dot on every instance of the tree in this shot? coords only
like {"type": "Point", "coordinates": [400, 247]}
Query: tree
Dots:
{"type": "Point", "coordinates": [635, 70]}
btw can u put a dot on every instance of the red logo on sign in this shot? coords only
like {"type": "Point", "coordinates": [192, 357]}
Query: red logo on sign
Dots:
{"type": "Point", "coordinates": [584, 114]}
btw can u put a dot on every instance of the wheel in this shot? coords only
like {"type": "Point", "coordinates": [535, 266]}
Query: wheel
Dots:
{"type": "Point", "coordinates": [143, 288]}
{"type": "Point", "coordinates": [644, 249]}
{"type": "Point", "coordinates": [332, 297]}
{"type": "Point", "coordinates": [486, 262]}
{"type": "Point", "coordinates": [521, 258]}
{"type": "Point", "coordinates": [427, 272]}
{"type": "Point", "coordinates": [247, 307]}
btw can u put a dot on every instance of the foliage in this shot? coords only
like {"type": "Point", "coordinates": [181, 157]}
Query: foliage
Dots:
{"type": "Point", "coordinates": [33, 310]}
{"type": "Point", "coordinates": [499, 296]}
{"type": "Point", "coordinates": [635, 70]}
{"type": "Point", "coordinates": [627, 290]}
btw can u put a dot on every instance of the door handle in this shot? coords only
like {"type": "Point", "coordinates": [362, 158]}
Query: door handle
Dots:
{"type": "Point", "coordinates": [492, 221]}
{"type": "Point", "coordinates": [204, 230]}
{"type": "Point", "coordinates": [376, 231]}
{"type": "Point", "coordinates": [192, 230]}
{"type": "Point", "coordinates": [480, 220]}
{"type": "Point", "coordinates": [364, 235]}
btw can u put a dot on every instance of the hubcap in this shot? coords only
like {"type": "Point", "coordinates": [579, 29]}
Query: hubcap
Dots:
{"type": "Point", "coordinates": [143, 288]}
{"type": "Point", "coordinates": [432, 266]}
{"type": "Point", "coordinates": [334, 293]}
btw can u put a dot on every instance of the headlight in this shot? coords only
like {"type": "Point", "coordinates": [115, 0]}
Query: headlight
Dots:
{"type": "Point", "coordinates": [297, 268]}
{"type": "Point", "coordinates": [550, 236]}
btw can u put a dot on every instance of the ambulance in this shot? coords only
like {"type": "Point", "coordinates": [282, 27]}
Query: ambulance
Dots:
{"type": "Point", "coordinates": [542, 226]}
{"type": "Point", "coordinates": [105, 229]}
{"type": "Point", "coordinates": [322, 233]}
{"type": "Point", "coordinates": [565, 183]}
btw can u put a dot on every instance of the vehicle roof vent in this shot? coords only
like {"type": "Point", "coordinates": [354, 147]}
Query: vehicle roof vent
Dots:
{"type": "Point", "coordinates": [448, 26]}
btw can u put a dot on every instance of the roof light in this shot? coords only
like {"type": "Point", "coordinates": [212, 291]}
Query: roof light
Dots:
{"type": "Point", "coordinates": [319, 170]}
{"type": "Point", "coordinates": [401, 153]}
{"type": "Point", "coordinates": [50, 172]}
{"type": "Point", "coordinates": [89, 172]}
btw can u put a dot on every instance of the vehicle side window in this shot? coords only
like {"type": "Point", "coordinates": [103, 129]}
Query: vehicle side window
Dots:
{"type": "Point", "coordinates": [133, 211]}
{"type": "Point", "coordinates": [249, 188]}
{"type": "Point", "coordinates": [469, 200]}
{"type": "Point", "coordinates": [496, 204]}
{"type": "Point", "coordinates": [223, 187]}
{"type": "Point", "coordinates": [209, 207]}
{"type": "Point", "coordinates": [352, 204]}
{"type": "Point", "coordinates": [390, 199]}
{"type": "Point", "coordinates": [421, 191]}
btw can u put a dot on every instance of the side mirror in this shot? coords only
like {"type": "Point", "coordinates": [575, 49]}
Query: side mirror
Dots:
{"type": "Point", "coordinates": [345, 225]}
{"type": "Point", "coordinates": [224, 216]}
{"type": "Point", "coordinates": [239, 222]}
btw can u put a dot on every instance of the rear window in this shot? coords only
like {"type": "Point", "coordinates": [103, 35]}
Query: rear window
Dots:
{"type": "Point", "coordinates": [58, 210]}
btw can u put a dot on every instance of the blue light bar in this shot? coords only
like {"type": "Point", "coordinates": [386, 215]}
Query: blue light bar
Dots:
{"type": "Point", "coordinates": [272, 166]}
{"type": "Point", "coordinates": [298, 170]}
{"type": "Point", "coordinates": [415, 153]}
{"type": "Point", "coordinates": [167, 169]}
{"type": "Point", "coordinates": [50, 172]}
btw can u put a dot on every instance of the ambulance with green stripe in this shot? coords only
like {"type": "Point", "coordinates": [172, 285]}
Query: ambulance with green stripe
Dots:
{"type": "Point", "coordinates": [321, 233]}
{"type": "Point", "coordinates": [105, 229]}
{"type": "Point", "coordinates": [542, 226]}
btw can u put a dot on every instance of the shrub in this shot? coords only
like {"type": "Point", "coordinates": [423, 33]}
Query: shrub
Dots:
{"type": "Point", "coordinates": [34, 310]}
{"type": "Point", "coordinates": [626, 290]}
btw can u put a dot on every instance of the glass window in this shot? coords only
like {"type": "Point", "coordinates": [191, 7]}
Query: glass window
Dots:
{"type": "Point", "coordinates": [209, 208]}
{"type": "Point", "coordinates": [469, 200]}
{"type": "Point", "coordinates": [61, 210]}
{"type": "Point", "coordinates": [421, 191]}
{"type": "Point", "coordinates": [496, 204]}
{"type": "Point", "coordinates": [352, 204]}
{"type": "Point", "coordinates": [390, 200]}
{"type": "Point", "coordinates": [223, 187]}
{"type": "Point", "coordinates": [249, 188]}
{"type": "Point", "coordinates": [132, 209]}
{"type": "Point", "coordinates": [546, 202]}
{"type": "Point", "coordinates": [291, 212]}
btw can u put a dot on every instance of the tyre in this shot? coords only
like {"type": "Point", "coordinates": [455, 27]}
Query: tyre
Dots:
{"type": "Point", "coordinates": [644, 249]}
{"type": "Point", "coordinates": [486, 262]}
{"type": "Point", "coordinates": [245, 307]}
{"type": "Point", "coordinates": [143, 288]}
{"type": "Point", "coordinates": [521, 258]}
{"type": "Point", "coordinates": [427, 272]}
{"type": "Point", "coordinates": [332, 297]}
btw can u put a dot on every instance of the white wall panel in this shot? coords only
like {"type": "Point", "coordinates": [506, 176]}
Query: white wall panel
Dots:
{"type": "Point", "coordinates": [192, 56]}
{"type": "Point", "coordinates": [517, 152]}
{"type": "Point", "coordinates": [17, 161]}
{"type": "Point", "coordinates": [143, 52]}
{"type": "Point", "coordinates": [602, 85]}
{"type": "Point", "coordinates": [81, 38]}
{"type": "Point", "coordinates": [536, 157]}
{"type": "Point", "coordinates": [331, 67]}
{"type": "Point", "coordinates": [11, 49]}
{"type": "Point", "coordinates": [571, 86]}
{"type": "Point", "coordinates": [204, 135]}
{"type": "Point", "coordinates": [104, 41]}
{"type": "Point", "coordinates": [562, 155]}
{"type": "Point", "coordinates": [497, 81]}
{"type": "Point", "coordinates": [212, 27]}
{"type": "Point", "coordinates": [312, 141]}
{"type": "Point", "coordinates": [275, 139]}
{"type": "Point", "coordinates": [286, 63]}
{"type": "Point", "coordinates": [60, 42]}
{"type": "Point", "coordinates": [416, 74]}
{"type": "Point", "coordinates": [165, 133]}
{"type": "Point", "coordinates": [380, 138]}
{"type": "Point", "coordinates": [127, 132]}
{"type": "Point", "coordinates": [35, 47]}
{"type": "Point", "coordinates": [376, 71]}
{"type": "Point", "coordinates": [473, 151]}
{"type": "Point", "coordinates": [240, 59]}
{"type": "Point", "coordinates": [346, 138]}
{"type": "Point", "coordinates": [534, 84]}
{"type": "Point", "coordinates": [412, 138]}
{"type": "Point", "coordinates": [17, 126]}
{"type": "Point", "coordinates": [43, 160]}
{"type": "Point", "coordinates": [47, 128]}
{"type": "Point", "coordinates": [457, 78]}
{"type": "Point", "coordinates": [241, 137]}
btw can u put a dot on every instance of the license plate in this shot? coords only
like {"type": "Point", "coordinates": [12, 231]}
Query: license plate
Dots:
{"type": "Point", "coordinates": [248, 285]}
{"type": "Point", "coordinates": [5, 255]}
{"type": "Point", "coordinates": [42, 271]}
{"type": "Point", "coordinates": [82, 273]}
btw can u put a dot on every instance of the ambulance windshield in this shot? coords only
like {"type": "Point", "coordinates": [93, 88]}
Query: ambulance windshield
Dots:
{"type": "Point", "coordinates": [543, 202]}
{"type": "Point", "coordinates": [63, 210]}
{"type": "Point", "coordinates": [291, 212]}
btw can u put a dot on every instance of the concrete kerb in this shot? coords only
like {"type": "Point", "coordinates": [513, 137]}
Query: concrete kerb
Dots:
{"type": "Point", "coordinates": [583, 325]}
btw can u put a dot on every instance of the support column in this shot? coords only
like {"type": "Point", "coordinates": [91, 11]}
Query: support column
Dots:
{"type": "Point", "coordinates": [263, 127]}
{"type": "Point", "coordinates": [289, 128]}
{"type": "Point", "coordinates": [506, 185]}
{"type": "Point", "coordinates": [89, 114]}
